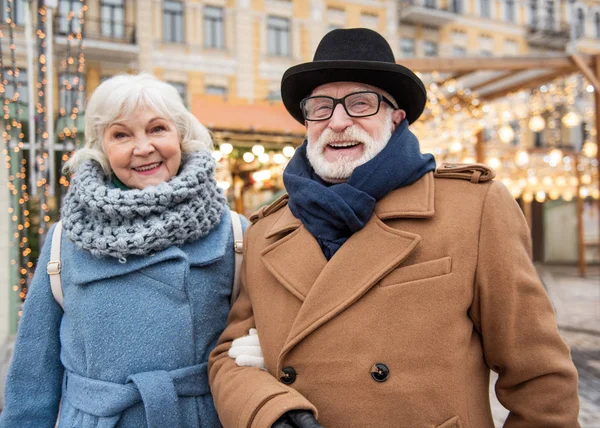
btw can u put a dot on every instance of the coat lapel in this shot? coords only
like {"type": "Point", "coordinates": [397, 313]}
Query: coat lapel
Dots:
{"type": "Point", "coordinates": [296, 260]}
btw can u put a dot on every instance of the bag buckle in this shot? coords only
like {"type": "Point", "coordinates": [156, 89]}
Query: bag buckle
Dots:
{"type": "Point", "coordinates": [238, 246]}
{"type": "Point", "coordinates": [53, 268]}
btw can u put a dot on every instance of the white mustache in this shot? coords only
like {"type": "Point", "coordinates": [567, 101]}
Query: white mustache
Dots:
{"type": "Point", "coordinates": [353, 133]}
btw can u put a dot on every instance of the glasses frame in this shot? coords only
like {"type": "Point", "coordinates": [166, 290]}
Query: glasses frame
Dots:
{"type": "Point", "coordinates": [342, 101]}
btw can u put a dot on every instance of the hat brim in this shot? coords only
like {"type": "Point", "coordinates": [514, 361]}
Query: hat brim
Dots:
{"type": "Point", "coordinates": [400, 82]}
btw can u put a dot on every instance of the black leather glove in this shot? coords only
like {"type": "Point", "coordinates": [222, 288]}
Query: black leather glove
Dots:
{"type": "Point", "coordinates": [297, 419]}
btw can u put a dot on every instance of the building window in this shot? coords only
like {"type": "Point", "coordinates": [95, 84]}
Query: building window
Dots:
{"type": "Point", "coordinates": [19, 11]}
{"type": "Point", "coordinates": [580, 26]}
{"type": "Point", "coordinates": [112, 16]}
{"type": "Point", "coordinates": [485, 8]}
{"type": "Point", "coordinates": [511, 47]}
{"type": "Point", "coordinates": [486, 46]}
{"type": "Point", "coordinates": [430, 48]}
{"type": "Point", "coordinates": [407, 47]}
{"type": "Point", "coordinates": [509, 10]}
{"type": "Point", "coordinates": [549, 24]}
{"type": "Point", "coordinates": [214, 28]}
{"type": "Point", "coordinates": [369, 21]}
{"type": "Point", "coordinates": [21, 82]}
{"type": "Point", "coordinates": [66, 26]}
{"type": "Point", "coordinates": [456, 6]}
{"type": "Point", "coordinates": [278, 36]}
{"type": "Point", "coordinates": [274, 95]}
{"type": "Point", "coordinates": [597, 25]}
{"type": "Point", "coordinates": [533, 13]}
{"type": "Point", "coordinates": [332, 27]}
{"type": "Point", "coordinates": [459, 51]}
{"type": "Point", "coordinates": [181, 90]}
{"type": "Point", "coordinates": [215, 90]}
{"type": "Point", "coordinates": [173, 21]}
{"type": "Point", "coordinates": [430, 4]}
{"type": "Point", "coordinates": [70, 95]}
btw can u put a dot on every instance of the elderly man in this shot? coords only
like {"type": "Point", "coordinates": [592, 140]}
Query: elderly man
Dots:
{"type": "Point", "coordinates": [385, 291]}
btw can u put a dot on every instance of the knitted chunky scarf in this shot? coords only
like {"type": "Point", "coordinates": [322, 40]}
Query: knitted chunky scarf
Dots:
{"type": "Point", "coordinates": [108, 221]}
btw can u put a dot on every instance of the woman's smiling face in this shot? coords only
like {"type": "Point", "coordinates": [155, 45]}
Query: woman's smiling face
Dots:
{"type": "Point", "coordinates": [144, 149]}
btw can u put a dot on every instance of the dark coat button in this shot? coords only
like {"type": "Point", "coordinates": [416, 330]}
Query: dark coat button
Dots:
{"type": "Point", "coordinates": [380, 372]}
{"type": "Point", "coordinates": [289, 375]}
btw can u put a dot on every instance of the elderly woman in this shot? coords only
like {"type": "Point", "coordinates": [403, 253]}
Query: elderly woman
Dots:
{"type": "Point", "coordinates": [147, 269]}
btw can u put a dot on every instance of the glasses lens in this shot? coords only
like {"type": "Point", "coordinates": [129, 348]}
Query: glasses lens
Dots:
{"type": "Point", "coordinates": [362, 104]}
{"type": "Point", "coordinates": [317, 108]}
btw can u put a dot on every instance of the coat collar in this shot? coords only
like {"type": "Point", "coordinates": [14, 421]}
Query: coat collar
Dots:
{"type": "Point", "coordinates": [413, 201]}
{"type": "Point", "coordinates": [326, 288]}
{"type": "Point", "coordinates": [201, 252]}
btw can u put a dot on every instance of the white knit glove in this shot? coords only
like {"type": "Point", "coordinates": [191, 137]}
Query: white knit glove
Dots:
{"type": "Point", "coordinates": [246, 351]}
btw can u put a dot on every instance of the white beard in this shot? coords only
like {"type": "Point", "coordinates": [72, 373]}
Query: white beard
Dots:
{"type": "Point", "coordinates": [342, 168]}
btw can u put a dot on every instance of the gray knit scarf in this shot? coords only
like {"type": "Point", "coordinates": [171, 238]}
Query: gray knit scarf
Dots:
{"type": "Point", "coordinates": [108, 221]}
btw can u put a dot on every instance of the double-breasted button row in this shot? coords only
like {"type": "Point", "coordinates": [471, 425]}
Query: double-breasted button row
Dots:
{"type": "Point", "coordinates": [379, 372]}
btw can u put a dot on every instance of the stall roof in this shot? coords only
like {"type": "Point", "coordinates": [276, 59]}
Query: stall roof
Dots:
{"type": "Point", "coordinates": [263, 117]}
{"type": "Point", "coordinates": [495, 77]}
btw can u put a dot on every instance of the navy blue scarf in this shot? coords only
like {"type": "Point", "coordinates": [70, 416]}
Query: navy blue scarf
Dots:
{"type": "Point", "coordinates": [333, 212]}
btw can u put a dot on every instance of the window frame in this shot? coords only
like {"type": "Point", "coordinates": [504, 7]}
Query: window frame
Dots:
{"type": "Point", "coordinates": [176, 35]}
{"type": "Point", "coordinates": [215, 27]}
{"type": "Point", "coordinates": [112, 6]}
{"type": "Point", "coordinates": [279, 36]}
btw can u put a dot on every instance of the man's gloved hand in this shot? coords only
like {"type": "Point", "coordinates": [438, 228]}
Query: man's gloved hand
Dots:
{"type": "Point", "coordinates": [246, 351]}
{"type": "Point", "coordinates": [297, 419]}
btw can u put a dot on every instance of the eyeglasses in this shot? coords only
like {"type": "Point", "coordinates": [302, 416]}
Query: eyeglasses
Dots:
{"type": "Point", "coordinates": [356, 104]}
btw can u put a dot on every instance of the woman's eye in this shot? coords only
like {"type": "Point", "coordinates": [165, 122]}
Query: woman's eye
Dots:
{"type": "Point", "coordinates": [119, 135]}
{"type": "Point", "coordinates": [159, 128]}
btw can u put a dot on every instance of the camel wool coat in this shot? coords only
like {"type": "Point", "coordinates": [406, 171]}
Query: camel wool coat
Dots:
{"type": "Point", "coordinates": [403, 325]}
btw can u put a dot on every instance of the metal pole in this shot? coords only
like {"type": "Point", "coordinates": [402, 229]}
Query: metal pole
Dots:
{"type": "Point", "coordinates": [30, 99]}
{"type": "Point", "coordinates": [50, 97]}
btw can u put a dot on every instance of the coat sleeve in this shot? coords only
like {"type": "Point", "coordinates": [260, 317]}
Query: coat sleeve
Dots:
{"type": "Point", "coordinates": [247, 397]}
{"type": "Point", "coordinates": [34, 380]}
{"type": "Point", "coordinates": [537, 380]}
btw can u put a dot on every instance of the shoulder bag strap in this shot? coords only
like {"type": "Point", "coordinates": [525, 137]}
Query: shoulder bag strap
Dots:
{"type": "Point", "coordinates": [53, 266]}
{"type": "Point", "coordinates": [238, 246]}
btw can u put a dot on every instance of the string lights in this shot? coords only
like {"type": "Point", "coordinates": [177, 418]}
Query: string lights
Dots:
{"type": "Point", "coordinates": [536, 140]}
{"type": "Point", "coordinates": [16, 164]}
{"type": "Point", "coordinates": [73, 86]}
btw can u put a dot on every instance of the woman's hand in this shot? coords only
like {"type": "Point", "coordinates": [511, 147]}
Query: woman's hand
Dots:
{"type": "Point", "coordinates": [297, 419]}
{"type": "Point", "coordinates": [246, 351]}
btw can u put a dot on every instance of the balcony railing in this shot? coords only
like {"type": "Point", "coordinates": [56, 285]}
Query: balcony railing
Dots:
{"type": "Point", "coordinates": [428, 12]}
{"type": "Point", "coordinates": [97, 29]}
{"type": "Point", "coordinates": [547, 33]}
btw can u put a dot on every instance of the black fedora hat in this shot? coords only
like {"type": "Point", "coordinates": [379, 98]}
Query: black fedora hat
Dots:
{"type": "Point", "coordinates": [354, 55]}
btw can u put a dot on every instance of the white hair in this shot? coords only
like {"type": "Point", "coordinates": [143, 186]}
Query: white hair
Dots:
{"type": "Point", "coordinates": [118, 98]}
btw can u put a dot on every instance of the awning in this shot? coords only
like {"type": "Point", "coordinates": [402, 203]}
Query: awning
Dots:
{"type": "Point", "coordinates": [263, 117]}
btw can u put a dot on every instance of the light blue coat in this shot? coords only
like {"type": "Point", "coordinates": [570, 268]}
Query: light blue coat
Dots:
{"type": "Point", "coordinates": [131, 348]}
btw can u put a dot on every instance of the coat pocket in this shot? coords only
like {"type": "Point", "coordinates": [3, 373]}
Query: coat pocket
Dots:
{"type": "Point", "coordinates": [453, 422]}
{"type": "Point", "coordinates": [419, 271]}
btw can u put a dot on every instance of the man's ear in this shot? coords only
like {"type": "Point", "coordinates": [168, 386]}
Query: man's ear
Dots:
{"type": "Point", "coordinates": [398, 116]}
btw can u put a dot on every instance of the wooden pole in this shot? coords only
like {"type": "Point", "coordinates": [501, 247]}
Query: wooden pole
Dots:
{"type": "Point", "coordinates": [479, 148]}
{"type": "Point", "coordinates": [580, 234]}
{"type": "Point", "coordinates": [597, 116]}
{"type": "Point", "coordinates": [528, 216]}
